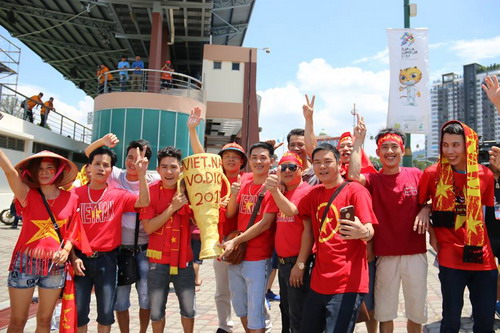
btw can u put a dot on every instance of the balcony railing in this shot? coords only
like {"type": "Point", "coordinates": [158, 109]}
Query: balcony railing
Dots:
{"type": "Point", "coordinates": [10, 103]}
{"type": "Point", "coordinates": [151, 81]}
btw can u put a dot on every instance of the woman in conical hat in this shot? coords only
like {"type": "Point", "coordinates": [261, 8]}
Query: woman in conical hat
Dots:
{"type": "Point", "coordinates": [40, 254]}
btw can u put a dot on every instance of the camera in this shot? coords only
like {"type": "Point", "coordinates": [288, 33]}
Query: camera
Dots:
{"type": "Point", "coordinates": [483, 156]}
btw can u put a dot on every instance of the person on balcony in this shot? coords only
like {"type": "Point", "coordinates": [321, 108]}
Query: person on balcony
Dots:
{"type": "Point", "coordinates": [32, 102]}
{"type": "Point", "coordinates": [44, 112]}
{"type": "Point", "coordinates": [166, 76]}
{"type": "Point", "coordinates": [104, 77]}
{"type": "Point", "coordinates": [123, 74]}
{"type": "Point", "coordinates": [138, 66]}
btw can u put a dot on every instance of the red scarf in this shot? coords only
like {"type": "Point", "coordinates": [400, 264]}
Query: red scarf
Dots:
{"type": "Point", "coordinates": [444, 202]}
{"type": "Point", "coordinates": [68, 321]}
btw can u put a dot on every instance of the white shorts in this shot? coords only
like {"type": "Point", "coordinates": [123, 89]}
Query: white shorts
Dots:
{"type": "Point", "coordinates": [411, 271]}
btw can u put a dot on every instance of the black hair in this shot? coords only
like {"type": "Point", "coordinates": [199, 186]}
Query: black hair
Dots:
{"type": "Point", "coordinates": [295, 131]}
{"type": "Point", "coordinates": [327, 147]}
{"type": "Point", "coordinates": [141, 144]}
{"type": "Point", "coordinates": [103, 151]}
{"type": "Point", "coordinates": [453, 128]}
{"type": "Point", "coordinates": [390, 130]}
{"type": "Point", "coordinates": [169, 152]}
{"type": "Point", "coordinates": [263, 145]}
{"type": "Point", "coordinates": [34, 167]}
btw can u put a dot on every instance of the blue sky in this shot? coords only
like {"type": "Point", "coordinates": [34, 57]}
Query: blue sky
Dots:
{"type": "Point", "coordinates": [334, 49]}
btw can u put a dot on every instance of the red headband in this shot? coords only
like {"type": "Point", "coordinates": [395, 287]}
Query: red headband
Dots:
{"type": "Point", "coordinates": [344, 137]}
{"type": "Point", "coordinates": [292, 157]}
{"type": "Point", "coordinates": [391, 137]}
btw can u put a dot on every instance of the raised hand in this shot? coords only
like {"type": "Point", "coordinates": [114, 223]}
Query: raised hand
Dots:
{"type": "Point", "coordinates": [272, 183]}
{"type": "Point", "coordinates": [359, 132]}
{"type": "Point", "coordinates": [308, 108]}
{"type": "Point", "coordinates": [141, 164]}
{"type": "Point", "coordinates": [195, 118]}
{"type": "Point", "coordinates": [492, 90]}
{"type": "Point", "coordinates": [110, 140]}
{"type": "Point", "coordinates": [273, 143]}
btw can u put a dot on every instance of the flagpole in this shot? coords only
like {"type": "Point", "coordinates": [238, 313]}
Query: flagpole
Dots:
{"type": "Point", "coordinates": [408, 157]}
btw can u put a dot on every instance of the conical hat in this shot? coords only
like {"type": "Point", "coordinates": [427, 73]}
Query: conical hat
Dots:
{"type": "Point", "coordinates": [70, 170]}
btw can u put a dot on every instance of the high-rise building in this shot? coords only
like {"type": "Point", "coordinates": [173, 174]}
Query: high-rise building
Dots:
{"type": "Point", "coordinates": [461, 97]}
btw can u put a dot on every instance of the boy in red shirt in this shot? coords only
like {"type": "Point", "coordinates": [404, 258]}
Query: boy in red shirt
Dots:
{"type": "Point", "coordinates": [462, 197]}
{"type": "Point", "coordinates": [248, 280]}
{"type": "Point", "coordinates": [339, 278]}
{"type": "Point", "coordinates": [399, 243]}
{"type": "Point", "coordinates": [167, 221]}
{"type": "Point", "coordinates": [101, 210]}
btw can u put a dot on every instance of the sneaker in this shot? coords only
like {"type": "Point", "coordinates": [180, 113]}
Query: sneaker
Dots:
{"type": "Point", "coordinates": [497, 309]}
{"type": "Point", "coordinates": [272, 296]}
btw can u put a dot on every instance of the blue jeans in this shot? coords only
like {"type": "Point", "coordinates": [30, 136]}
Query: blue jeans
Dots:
{"type": "Point", "coordinates": [482, 295]}
{"type": "Point", "coordinates": [159, 279]}
{"type": "Point", "coordinates": [100, 273]}
{"type": "Point", "coordinates": [292, 299]}
{"type": "Point", "coordinates": [330, 313]}
{"type": "Point", "coordinates": [122, 302]}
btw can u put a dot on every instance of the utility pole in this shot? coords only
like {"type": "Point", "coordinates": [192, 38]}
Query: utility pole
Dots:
{"type": "Point", "coordinates": [408, 157]}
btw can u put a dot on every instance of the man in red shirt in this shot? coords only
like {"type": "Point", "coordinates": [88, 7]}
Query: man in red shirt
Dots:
{"type": "Point", "coordinates": [399, 244]}
{"type": "Point", "coordinates": [462, 194]}
{"type": "Point", "coordinates": [248, 280]}
{"type": "Point", "coordinates": [101, 210]}
{"type": "Point", "coordinates": [339, 278]}
{"type": "Point", "coordinates": [167, 221]}
{"type": "Point", "coordinates": [293, 271]}
{"type": "Point", "coordinates": [233, 161]}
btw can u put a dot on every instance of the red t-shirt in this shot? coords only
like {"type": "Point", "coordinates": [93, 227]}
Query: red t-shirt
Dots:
{"type": "Point", "coordinates": [102, 215]}
{"type": "Point", "coordinates": [395, 203]}
{"type": "Point", "coordinates": [341, 265]}
{"type": "Point", "coordinates": [289, 228]}
{"type": "Point", "coordinates": [451, 241]}
{"type": "Point", "coordinates": [226, 225]}
{"type": "Point", "coordinates": [260, 247]}
{"type": "Point", "coordinates": [160, 201]}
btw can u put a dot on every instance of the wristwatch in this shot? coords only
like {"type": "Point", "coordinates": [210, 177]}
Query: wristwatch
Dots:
{"type": "Point", "coordinates": [301, 265]}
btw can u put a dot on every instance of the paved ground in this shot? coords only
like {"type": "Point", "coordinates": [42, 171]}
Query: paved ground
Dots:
{"type": "Point", "coordinates": [206, 319]}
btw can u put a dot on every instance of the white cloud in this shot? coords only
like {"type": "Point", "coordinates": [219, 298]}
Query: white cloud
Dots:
{"type": "Point", "coordinates": [336, 90]}
{"type": "Point", "coordinates": [477, 49]}
{"type": "Point", "coordinates": [381, 57]}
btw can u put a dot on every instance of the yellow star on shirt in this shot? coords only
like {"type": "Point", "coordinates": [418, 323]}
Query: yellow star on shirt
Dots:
{"type": "Point", "coordinates": [173, 240]}
{"type": "Point", "coordinates": [248, 206]}
{"type": "Point", "coordinates": [459, 221]}
{"type": "Point", "coordinates": [97, 213]}
{"type": "Point", "coordinates": [46, 229]}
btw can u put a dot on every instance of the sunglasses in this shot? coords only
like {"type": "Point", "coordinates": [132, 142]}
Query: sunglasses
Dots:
{"type": "Point", "coordinates": [291, 167]}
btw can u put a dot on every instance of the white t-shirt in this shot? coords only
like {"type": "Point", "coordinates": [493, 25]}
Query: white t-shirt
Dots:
{"type": "Point", "coordinates": [118, 179]}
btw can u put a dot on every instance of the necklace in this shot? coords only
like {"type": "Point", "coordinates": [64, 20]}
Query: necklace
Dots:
{"type": "Point", "coordinates": [100, 197]}
{"type": "Point", "coordinates": [252, 185]}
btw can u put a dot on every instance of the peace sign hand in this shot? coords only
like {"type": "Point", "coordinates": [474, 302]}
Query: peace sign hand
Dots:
{"type": "Point", "coordinates": [308, 108]}
{"type": "Point", "coordinates": [141, 164]}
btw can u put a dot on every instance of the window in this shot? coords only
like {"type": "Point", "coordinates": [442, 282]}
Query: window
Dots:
{"type": "Point", "coordinates": [236, 66]}
{"type": "Point", "coordinates": [217, 65]}
{"type": "Point", "coordinates": [38, 147]}
{"type": "Point", "coordinates": [11, 143]}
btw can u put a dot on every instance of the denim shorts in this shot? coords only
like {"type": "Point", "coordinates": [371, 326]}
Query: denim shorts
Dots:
{"type": "Point", "coordinates": [248, 284]}
{"type": "Point", "coordinates": [20, 279]}
{"type": "Point", "coordinates": [196, 247]}
{"type": "Point", "coordinates": [122, 302]}
{"type": "Point", "coordinates": [159, 279]}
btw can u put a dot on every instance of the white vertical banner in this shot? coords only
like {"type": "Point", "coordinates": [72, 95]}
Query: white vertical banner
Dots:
{"type": "Point", "coordinates": [409, 95]}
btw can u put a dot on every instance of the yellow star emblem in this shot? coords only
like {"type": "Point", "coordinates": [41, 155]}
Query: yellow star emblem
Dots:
{"type": "Point", "coordinates": [173, 240]}
{"type": "Point", "coordinates": [46, 229]}
{"type": "Point", "coordinates": [472, 225]}
{"type": "Point", "coordinates": [248, 206]}
{"type": "Point", "coordinates": [459, 221]}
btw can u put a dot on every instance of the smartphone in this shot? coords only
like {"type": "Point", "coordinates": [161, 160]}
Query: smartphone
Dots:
{"type": "Point", "coordinates": [347, 213]}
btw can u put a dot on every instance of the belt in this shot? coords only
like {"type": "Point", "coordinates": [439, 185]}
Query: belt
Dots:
{"type": "Point", "coordinates": [287, 260]}
{"type": "Point", "coordinates": [93, 255]}
{"type": "Point", "coordinates": [130, 248]}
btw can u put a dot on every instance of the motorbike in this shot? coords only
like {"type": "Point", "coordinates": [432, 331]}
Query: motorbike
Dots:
{"type": "Point", "coordinates": [6, 217]}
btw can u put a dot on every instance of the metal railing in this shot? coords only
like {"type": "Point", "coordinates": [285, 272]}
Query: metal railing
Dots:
{"type": "Point", "coordinates": [151, 81]}
{"type": "Point", "coordinates": [10, 103]}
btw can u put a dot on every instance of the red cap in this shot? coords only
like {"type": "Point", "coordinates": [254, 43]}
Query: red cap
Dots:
{"type": "Point", "coordinates": [291, 157]}
{"type": "Point", "coordinates": [238, 148]}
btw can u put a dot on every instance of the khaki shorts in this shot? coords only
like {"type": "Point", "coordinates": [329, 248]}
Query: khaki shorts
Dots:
{"type": "Point", "coordinates": [411, 271]}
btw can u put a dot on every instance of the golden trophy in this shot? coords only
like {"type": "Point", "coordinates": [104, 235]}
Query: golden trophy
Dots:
{"type": "Point", "coordinates": [203, 177]}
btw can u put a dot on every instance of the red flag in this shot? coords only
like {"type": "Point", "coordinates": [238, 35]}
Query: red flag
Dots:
{"type": "Point", "coordinates": [77, 235]}
{"type": "Point", "coordinates": [68, 322]}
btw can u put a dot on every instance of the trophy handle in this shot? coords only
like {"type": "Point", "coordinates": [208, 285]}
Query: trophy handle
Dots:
{"type": "Point", "coordinates": [228, 186]}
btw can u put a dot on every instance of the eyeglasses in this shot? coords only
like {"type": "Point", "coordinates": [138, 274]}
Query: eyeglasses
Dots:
{"type": "Point", "coordinates": [291, 167]}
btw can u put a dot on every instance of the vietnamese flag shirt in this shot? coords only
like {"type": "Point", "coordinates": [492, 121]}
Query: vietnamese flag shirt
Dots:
{"type": "Point", "coordinates": [341, 265]}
